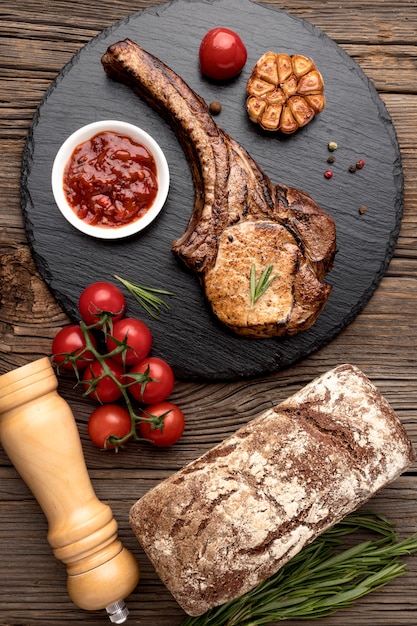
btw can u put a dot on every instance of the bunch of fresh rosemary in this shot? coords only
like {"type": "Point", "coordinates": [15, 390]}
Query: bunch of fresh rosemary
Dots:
{"type": "Point", "coordinates": [322, 578]}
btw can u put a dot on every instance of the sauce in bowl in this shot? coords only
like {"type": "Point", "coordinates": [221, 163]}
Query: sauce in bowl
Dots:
{"type": "Point", "coordinates": [110, 180]}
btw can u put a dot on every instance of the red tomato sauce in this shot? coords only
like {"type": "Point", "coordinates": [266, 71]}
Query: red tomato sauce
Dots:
{"type": "Point", "coordinates": [110, 180]}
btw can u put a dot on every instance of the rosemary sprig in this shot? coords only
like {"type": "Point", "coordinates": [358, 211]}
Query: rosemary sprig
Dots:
{"type": "Point", "coordinates": [258, 288]}
{"type": "Point", "coordinates": [320, 579]}
{"type": "Point", "coordinates": [147, 296]}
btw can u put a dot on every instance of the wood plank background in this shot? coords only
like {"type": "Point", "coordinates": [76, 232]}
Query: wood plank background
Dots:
{"type": "Point", "coordinates": [37, 38]}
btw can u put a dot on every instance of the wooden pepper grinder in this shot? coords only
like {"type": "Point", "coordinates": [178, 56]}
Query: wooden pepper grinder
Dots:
{"type": "Point", "coordinates": [39, 434]}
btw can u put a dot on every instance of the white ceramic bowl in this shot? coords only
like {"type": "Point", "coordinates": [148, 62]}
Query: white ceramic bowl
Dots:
{"type": "Point", "coordinates": [87, 132]}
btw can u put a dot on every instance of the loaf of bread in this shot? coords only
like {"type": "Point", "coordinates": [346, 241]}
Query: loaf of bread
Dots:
{"type": "Point", "coordinates": [233, 517]}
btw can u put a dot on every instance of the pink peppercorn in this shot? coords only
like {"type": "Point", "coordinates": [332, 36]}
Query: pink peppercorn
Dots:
{"type": "Point", "coordinates": [328, 174]}
{"type": "Point", "coordinates": [360, 164]}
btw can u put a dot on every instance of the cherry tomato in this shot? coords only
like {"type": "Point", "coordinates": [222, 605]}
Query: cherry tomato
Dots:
{"type": "Point", "coordinates": [70, 340]}
{"type": "Point", "coordinates": [222, 54]}
{"type": "Point", "coordinates": [106, 389]}
{"type": "Point", "coordinates": [159, 377]}
{"type": "Point", "coordinates": [138, 338]}
{"type": "Point", "coordinates": [98, 298]}
{"type": "Point", "coordinates": [174, 424]}
{"type": "Point", "coordinates": [108, 420]}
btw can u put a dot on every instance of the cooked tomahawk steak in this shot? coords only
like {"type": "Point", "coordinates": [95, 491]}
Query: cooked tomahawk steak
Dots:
{"type": "Point", "coordinates": [241, 221]}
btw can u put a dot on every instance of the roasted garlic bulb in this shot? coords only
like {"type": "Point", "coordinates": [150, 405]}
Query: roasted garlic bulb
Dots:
{"type": "Point", "coordinates": [284, 92]}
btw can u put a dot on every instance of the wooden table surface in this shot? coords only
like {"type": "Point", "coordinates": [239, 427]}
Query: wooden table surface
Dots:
{"type": "Point", "coordinates": [37, 38]}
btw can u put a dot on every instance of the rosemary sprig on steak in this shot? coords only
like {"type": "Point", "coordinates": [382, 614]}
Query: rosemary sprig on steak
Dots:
{"type": "Point", "coordinates": [258, 288]}
{"type": "Point", "coordinates": [322, 578]}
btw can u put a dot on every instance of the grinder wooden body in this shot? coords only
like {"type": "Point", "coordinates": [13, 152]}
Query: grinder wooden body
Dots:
{"type": "Point", "coordinates": [39, 434]}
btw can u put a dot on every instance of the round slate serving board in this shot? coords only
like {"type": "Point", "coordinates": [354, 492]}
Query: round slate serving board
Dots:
{"type": "Point", "coordinates": [187, 335]}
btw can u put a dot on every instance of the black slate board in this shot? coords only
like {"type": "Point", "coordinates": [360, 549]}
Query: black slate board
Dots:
{"type": "Point", "coordinates": [195, 344]}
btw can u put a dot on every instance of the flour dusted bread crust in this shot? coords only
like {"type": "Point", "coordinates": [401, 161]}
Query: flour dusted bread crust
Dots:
{"type": "Point", "coordinates": [233, 517]}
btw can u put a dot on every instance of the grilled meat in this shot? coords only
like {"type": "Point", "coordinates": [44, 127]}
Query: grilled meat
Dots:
{"type": "Point", "coordinates": [240, 221]}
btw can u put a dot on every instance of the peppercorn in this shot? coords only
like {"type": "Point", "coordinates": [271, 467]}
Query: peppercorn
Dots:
{"type": "Point", "coordinates": [332, 146]}
{"type": "Point", "coordinates": [360, 164]}
{"type": "Point", "coordinates": [331, 159]}
{"type": "Point", "coordinates": [352, 168]}
{"type": "Point", "coordinates": [328, 174]}
{"type": "Point", "coordinates": [215, 107]}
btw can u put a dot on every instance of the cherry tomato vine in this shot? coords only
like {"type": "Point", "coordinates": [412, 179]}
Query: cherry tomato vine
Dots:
{"type": "Point", "coordinates": [110, 356]}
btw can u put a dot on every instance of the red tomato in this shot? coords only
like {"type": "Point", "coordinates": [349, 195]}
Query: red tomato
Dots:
{"type": "Point", "coordinates": [174, 424]}
{"type": "Point", "coordinates": [106, 389]}
{"type": "Point", "coordinates": [70, 340]}
{"type": "Point", "coordinates": [222, 54]}
{"type": "Point", "coordinates": [106, 421]}
{"type": "Point", "coordinates": [156, 382]}
{"type": "Point", "coordinates": [100, 298]}
{"type": "Point", "coordinates": [137, 336]}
